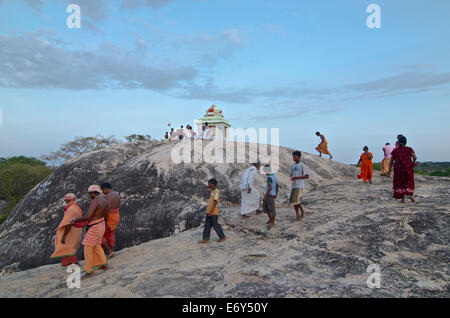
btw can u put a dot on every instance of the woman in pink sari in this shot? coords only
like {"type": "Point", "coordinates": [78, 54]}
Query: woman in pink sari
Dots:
{"type": "Point", "coordinates": [403, 159]}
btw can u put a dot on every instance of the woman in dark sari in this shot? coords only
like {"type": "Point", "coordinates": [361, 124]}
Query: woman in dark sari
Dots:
{"type": "Point", "coordinates": [403, 160]}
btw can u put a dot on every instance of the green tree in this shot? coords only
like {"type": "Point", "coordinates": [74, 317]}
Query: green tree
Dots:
{"type": "Point", "coordinates": [6, 163]}
{"type": "Point", "coordinates": [17, 179]}
{"type": "Point", "coordinates": [21, 159]}
{"type": "Point", "coordinates": [78, 147]}
{"type": "Point", "coordinates": [135, 137]}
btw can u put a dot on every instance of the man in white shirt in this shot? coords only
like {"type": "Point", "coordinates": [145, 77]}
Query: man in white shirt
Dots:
{"type": "Point", "coordinates": [186, 132]}
{"type": "Point", "coordinates": [200, 133]}
{"type": "Point", "coordinates": [172, 134]}
{"type": "Point", "coordinates": [190, 132]}
{"type": "Point", "coordinates": [207, 133]}
{"type": "Point", "coordinates": [251, 199]}
{"type": "Point", "coordinates": [298, 176]}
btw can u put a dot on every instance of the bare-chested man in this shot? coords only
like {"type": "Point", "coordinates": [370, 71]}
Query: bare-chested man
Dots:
{"type": "Point", "coordinates": [94, 255]}
{"type": "Point", "coordinates": [112, 219]}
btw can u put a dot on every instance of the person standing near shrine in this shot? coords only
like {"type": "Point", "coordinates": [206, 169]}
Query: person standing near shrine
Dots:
{"type": "Point", "coordinates": [179, 133]}
{"type": "Point", "coordinates": [186, 132]}
{"type": "Point", "coordinates": [207, 133]}
{"type": "Point", "coordinates": [192, 133]}
{"type": "Point", "coordinates": [201, 134]}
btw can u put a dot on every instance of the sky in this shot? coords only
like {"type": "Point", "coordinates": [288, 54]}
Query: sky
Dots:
{"type": "Point", "coordinates": [300, 66]}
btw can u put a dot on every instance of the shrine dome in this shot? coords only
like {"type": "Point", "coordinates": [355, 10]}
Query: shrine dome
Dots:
{"type": "Point", "coordinates": [214, 117]}
{"type": "Point", "coordinates": [213, 110]}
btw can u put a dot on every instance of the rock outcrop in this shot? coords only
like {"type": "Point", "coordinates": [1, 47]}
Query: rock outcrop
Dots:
{"type": "Point", "coordinates": [348, 227]}
{"type": "Point", "coordinates": [159, 198]}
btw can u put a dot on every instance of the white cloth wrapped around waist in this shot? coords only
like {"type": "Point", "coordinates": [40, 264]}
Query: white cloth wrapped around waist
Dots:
{"type": "Point", "coordinates": [248, 179]}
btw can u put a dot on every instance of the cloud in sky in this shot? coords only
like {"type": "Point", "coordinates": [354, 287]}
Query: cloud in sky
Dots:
{"type": "Point", "coordinates": [270, 28]}
{"type": "Point", "coordinates": [93, 11]}
{"type": "Point", "coordinates": [391, 85]}
{"type": "Point", "coordinates": [293, 111]}
{"type": "Point", "coordinates": [99, 10]}
{"type": "Point", "coordinates": [91, 27]}
{"type": "Point", "coordinates": [38, 60]}
{"type": "Point", "coordinates": [221, 45]}
{"type": "Point", "coordinates": [134, 4]}
{"type": "Point", "coordinates": [405, 82]}
{"type": "Point", "coordinates": [210, 91]}
{"type": "Point", "coordinates": [34, 4]}
{"type": "Point", "coordinates": [289, 109]}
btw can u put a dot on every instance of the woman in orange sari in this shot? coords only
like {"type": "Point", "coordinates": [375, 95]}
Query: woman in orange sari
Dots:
{"type": "Point", "coordinates": [366, 165]}
{"type": "Point", "coordinates": [68, 238]}
{"type": "Point", "coordinates": [322, 148]}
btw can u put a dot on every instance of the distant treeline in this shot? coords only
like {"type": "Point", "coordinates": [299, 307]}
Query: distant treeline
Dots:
{"type": "Point", "coordinates": [435, 169]}
{"type": "Point", "coordinates": [81, 145]}
{"type": "Point", "coordinates": [18, 175]}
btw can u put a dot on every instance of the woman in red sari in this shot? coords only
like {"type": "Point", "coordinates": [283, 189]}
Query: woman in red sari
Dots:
{"type": "Point", "coordinates": [403, 160]}
{"type": "Point", "coordinates": [397, 143]}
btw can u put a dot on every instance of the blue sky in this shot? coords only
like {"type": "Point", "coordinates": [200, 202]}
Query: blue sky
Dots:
{"type": "Point", "coordinates": [300, 66]}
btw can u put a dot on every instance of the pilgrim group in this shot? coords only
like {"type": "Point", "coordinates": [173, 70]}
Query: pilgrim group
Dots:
{"type": "Point", "coordinates": [103, 215]}
{"type": "Point", "coordinates": [188, 133]}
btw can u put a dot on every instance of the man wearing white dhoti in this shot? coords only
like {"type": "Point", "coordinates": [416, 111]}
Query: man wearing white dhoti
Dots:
{"type": "Point", "coordinates": [207, 134]}
{"type": "Point", "coordinates": [190, 132]}
{"type": "Point", "coordinates": [187, 132]}
{"type": "Point", "coordinates": [250, 197]}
